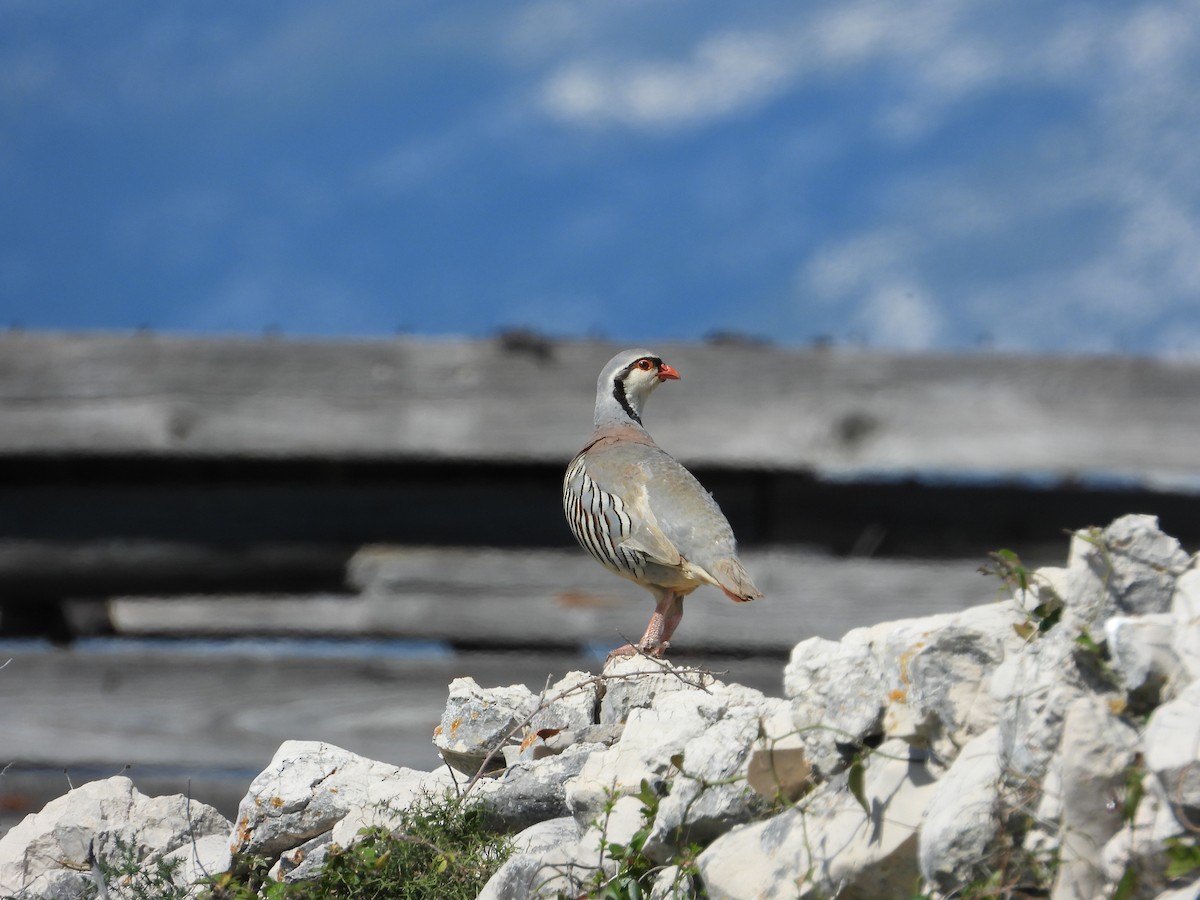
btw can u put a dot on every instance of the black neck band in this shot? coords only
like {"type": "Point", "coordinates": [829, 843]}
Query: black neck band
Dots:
{"type": "Point", "coordinates": [623, 398]}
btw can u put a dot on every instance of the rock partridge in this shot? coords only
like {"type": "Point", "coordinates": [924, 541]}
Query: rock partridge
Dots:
{"type": "Point", "coordinates": [640, 513]}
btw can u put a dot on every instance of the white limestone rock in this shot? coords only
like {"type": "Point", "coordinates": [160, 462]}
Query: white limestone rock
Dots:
{"type": "Point", "coordinates": [710, 734]}
{"type": "Point", "coordinates": [878, 856]}
{"type": "Point", "coordinates": [673, 883]}
{"type": "Point", "coordinates": [532, 791]}
{"type": "Point", "coordinates": [919, 679]}
{"type": "Point", "coordinates": [47, 853]}
{"type": "Point", "coordinates": [1138, 847]}
{"type": "Point", "coordinates": [1172, 750]}
{"type": "Point", "coordinates": [995, 703]}
{"type": "Point", "coordinates": [200, 859]}
{"type": "Point", "coordinates": [549, 742]}
{"type": "Point", "coordinates": [828, 845]}
{"type": "Point", "coordinates": [1091, 767]}
{"type": "Point", "coordinates": [944, 699]}
{"type": "Point", "coordinates": [1051, 587]}
{"type": "Point", "coordinates": [1187, 892]}
{"type": "Point", "coordinates": [652, 736]}
{"type": "Point", "coordinates": [571, 703]}
{"type": "Point", "coordinates": [767, 860]}
{"type": "Point", "coordinates": [778, 767]}
{"type": "Point", "coordinates": [836, 683]}
{"type": "Point", "coordinates": [1032, 690]}
{"type": "Point", "coordinates": [308, 788]}
{"type": "Point", "coordinates": [1185, 607]}
{"type": "Point", "coordinates": [567, 714]}
{"type": "Point", "coordinates": [304, 862]}
{"type": "Point", "coordinates": [477, 721]}
{"type": "Point", "coordinates": [963, 818]}
{"type": "Point", "coordinates": [1133, 565]}
{"type": "Point", "coordinates": [1142, 654]}
{"type": "Point", "coordinates": [523, 873]}
{"type": "Point", "coordinates": [382, 798]}
{"type": "Point", "coordinates": [634, 682]}
{"type": "Point", "coordinates": [571, 864]}
{"type": "Point", "coordinates": [708, 797]}
{"type": "Point", "coordinates": [838, 695]}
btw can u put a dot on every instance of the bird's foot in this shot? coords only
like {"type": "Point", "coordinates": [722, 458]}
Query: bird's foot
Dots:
{"type": "Point", "coordinates": [623, 651]}
{"type": "Point", "coordinates": [655, 651]}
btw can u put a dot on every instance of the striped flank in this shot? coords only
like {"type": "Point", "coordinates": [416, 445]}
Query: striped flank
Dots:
{"type": "Point", "coordinates": [599, 522]}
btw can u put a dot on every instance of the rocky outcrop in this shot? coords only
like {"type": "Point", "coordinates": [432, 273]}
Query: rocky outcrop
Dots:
{"type": "Point", "coordinates": [57, 852]}
{"type": "Point", "coordinates": [1048, 742]}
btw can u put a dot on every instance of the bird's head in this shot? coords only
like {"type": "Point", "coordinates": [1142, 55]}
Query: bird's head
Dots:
{"type": "Point", "coordinates": [625, 383]}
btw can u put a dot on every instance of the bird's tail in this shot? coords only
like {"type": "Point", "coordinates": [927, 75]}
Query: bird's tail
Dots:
{"type": "Point", "coordinates": [735, 581]}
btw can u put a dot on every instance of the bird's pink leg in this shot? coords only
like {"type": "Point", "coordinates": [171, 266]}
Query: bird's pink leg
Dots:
{"type": "Point", "coordinates": [663, 622]}
{"type": "Point", "coordinates": [667, 614]}
{"type": "Point", "coordinates": [672, 617]}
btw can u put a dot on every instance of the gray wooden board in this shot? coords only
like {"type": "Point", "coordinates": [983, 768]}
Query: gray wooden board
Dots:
{"type": "Point", "coordinates": [488, 596]}
{"type": "Point", "coordinates": [97, 567]}
{"type": "Point", "coordinates": [216, 716]}
{"type": "Point", "coordinates": [837, 411]}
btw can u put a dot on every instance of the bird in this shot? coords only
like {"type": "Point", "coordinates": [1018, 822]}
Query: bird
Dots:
{"type": "Point", "coordinates": [640, 513]}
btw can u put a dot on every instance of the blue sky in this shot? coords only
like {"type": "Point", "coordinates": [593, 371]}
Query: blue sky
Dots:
{"type": "Point", "coordinates": [933, 174]}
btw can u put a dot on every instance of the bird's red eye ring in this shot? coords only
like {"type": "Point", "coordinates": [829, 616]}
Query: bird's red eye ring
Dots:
{"type": "Point", "coordinates": [645, 365]}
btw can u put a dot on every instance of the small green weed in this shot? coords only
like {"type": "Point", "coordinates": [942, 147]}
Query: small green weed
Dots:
{"type": "Point", "coordinates": [440, 849]}
{"type": "Point", "coordinates": [128, 877]}
{"type": "Point", "coordinates": [1091, 658]}
{"type": "Point", "coordinates": [636, 872]}
{"type": "Point", "coordinates": [1012, 867]}
{"type": "Point", "coordinates": [1183, 857]}
{"type": "Point", "coordinates": [1007, 566]}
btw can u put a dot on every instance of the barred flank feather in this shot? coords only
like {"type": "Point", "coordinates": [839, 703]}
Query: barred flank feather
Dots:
{"type": "Point", "coordinates": [599, 522]}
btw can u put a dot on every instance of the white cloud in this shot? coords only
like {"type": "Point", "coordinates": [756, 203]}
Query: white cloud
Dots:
{"type": "Point", "coordinates": [901, 316]}
{"type": "Point", "coordinates": [856, 266]}
{"type": "Point", "coordinates": [416, 163]}
{"type": "Point", "coordinates": [1084, 235]}
{"type": "Point", "coordinates": [729, 73]}
{"type": "Point", "coordinates": [733, 70]}
{"type": "Point", "coordinates": [872, 278]}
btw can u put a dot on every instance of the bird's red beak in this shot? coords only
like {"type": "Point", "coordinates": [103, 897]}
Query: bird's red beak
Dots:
{"type": "Point", "coordinates": [667, 373]}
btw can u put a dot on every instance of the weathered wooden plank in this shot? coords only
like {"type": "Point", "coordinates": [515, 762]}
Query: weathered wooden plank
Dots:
{"type": "Point", "coordinates": [839, 412]}
{"type": "Point", "coordinates": [175, 713]}
{"type": "Point", "coordinates": [487, 597]}
{"type": "Point", "coordinates": [37, 569]}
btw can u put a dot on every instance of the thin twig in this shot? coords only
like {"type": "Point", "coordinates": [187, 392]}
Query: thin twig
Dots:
{"type": "Point", "coordinates": [187, 810]}
{"type": "Point", "coordinates": [1177, 804]}
{"type": "Point", "coordinates": [96, 872]}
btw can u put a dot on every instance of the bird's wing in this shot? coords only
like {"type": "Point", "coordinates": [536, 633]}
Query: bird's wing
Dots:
{"type": "Point", "coordinates": [688, 519]}
{"type": "Point", "coordinates": [645, 534]}
{"type": "Point", "coordinates": [619, 470]}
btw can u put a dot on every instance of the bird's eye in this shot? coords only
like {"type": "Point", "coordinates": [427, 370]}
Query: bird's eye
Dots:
{"type": "Point", "coordinates": [645, 365]}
